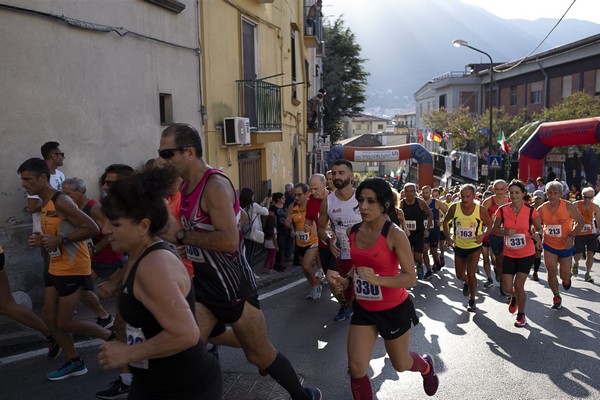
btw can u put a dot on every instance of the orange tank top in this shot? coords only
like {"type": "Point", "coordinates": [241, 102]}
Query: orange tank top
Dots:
{"type": "Point", "coordinates": [588, 219]}
{"type": "Point", "coordinates": [557, 225]}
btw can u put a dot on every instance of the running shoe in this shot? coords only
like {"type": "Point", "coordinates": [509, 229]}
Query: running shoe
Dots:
{"type": "Point", "coordinates": [566, 284]}
{"type": "Point", "coordinates": [465, 289]}
{"type": "Point", "coordinates": [54, 349]}
{"type": "Point", "coordinates": [107, 322]}
{"type": "Point", "coordinates": [512, 305]}
{"type": "Point", "coordinates": [313, 393]}
{"type": "Point", "coordinates": [320, 275]}
{"type": "Point", "coordinates": [428, 274]}
{"type": "Point", "coordinates": [67, 370]}
{"type": "Point", "coordinates": [420, 273]}
{"type": "Point", "coordinates": [430, 381]}
{"type": "Point", "coordinates": [588, 278]}
{"type": "Point", "coordinates": [557, 302]}
{"type": "Point", "coordinates": [343, 314]}
{"type": "Point", "coordinates": [489, 283]}
{"type": "Point", "coordinates": [316, 292]}
{"type": "Point", "coordinates": [521, 320]}
{"type": "Point", "coordinates": [471, 307]}
{"type": "Point", "coordinates": [436, 264]}
{"type": "Point", "coordinates": [575, 269]}
{"type": "Point", "coordinates": [118, 390]}
{"type": "Point", "coordinates": [536, 277]}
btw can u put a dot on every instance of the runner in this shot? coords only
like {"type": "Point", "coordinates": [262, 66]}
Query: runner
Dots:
{"type": "Point", "coordinates": [383, 269]}
{"type": "Point", "coordinates": [65, 229]}
{"type": "Point", "coordinates": [514, 222]}
{"type": "Point", "coordinates": [562, 222]}
{"type": "Point", "coordinates": [586, 242]}
{"type": "Point", "coordinates": [470, 223]}
{"type": "Point", "coordinates": [432, 244]}
{"type": "Point", "coordinates": [340, 211]}
{"type": "Point", "coordinates": [416, 212]}
{"type": "Point", "coordinates": [163, 348]}
{"type": "Point", "coordinates": [448, 202]}
{"type": "Point", "coordinates": [538, 199]}
{"type": "Point", "coordinates": [216, 250]}
{"type": "Point", "coordinates": [491, 204]}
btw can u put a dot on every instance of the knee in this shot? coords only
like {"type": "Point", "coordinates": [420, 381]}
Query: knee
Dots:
{"type": "Point", "coordinates": [402, 365]}
{"type": "Point", "coordinates": [357, 369]}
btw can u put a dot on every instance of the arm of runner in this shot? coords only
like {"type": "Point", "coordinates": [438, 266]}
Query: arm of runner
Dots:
{"type": "Point", "coordinates": [441, 206]}
{"type": "Point", "coordinates": [428, 213]}
{"type": "Point", "coordinates": [323, 222]}
{"type": "Point", "coordinates": [100, 220]}
{"type": "Point", "coordinates": [537, 227]}
{"type": "Point", "coordinates": [446, 224]}
{"type": "Point", "coordinates": [68, 211]}
{"type": "Point", "coordinates": [577, 218]}
{"type": "Point", "coordinates": [487, 223]}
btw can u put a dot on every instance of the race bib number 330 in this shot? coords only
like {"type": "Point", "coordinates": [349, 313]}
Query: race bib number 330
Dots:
{"type": "Point", "coordinates": [363, 290]}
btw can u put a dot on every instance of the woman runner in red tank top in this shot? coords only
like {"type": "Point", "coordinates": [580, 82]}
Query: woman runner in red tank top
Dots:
{"type": "Point", "coordinates": [383, 269]}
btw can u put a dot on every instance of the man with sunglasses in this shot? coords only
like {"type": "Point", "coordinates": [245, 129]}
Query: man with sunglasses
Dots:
{"type": "Point", "coordinates": [586, 240]}
{"type": "Point", "coordinates": [223, 281]}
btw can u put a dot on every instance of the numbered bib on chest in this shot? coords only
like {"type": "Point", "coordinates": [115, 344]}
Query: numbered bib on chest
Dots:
{"type": "Point", "coordinates": [411, 225]}
{"type": "Point", "coordinates": [515, 241]}
{"type": "Point", "coordinates": [586, 228]}
{"type": "Point", "coordinates": [553, 230]}
{"type": "Point", "coordinates": [194, 254]}
{"type": "Point", "coordinates": [302, 236]}
{"type": "Point", "coordinates": [136, 336]}
{"type": "Point", "coordinates": [54, 252]}
{"type": "Point", "coordinates": [465, 233]}
{"type": "Point", "coordinates": [363, 290]}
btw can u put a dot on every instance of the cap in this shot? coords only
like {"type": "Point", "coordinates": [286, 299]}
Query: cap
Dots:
{"type": "Point", "coordinates": [539, 194]}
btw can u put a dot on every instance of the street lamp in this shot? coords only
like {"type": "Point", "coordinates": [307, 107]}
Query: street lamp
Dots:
{"type": "Point", "coordinates": [460, 43]}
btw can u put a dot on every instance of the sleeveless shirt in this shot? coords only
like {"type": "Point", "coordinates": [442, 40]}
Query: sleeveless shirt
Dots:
{"type": "Point", "coordinates": [588, 219]}
{"type": "Point", "coordinates": [414, 216]}
{"type": "Point", "coordinates": [557, 225]}
{"type": "Point", "coordinates": [467, 227]}
{"type": "Point", "coordinates": [343, 214]}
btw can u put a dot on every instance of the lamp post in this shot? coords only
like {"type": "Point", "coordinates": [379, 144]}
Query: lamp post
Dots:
{"type": "Point", "coordinates": [460, 43]}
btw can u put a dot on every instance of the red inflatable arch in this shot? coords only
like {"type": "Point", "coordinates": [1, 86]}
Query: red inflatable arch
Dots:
{"type": "Point", "coordinates": [553, 134]}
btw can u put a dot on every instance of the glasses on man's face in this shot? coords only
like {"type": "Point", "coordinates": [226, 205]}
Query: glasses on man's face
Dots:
{"type": "Point", "coordinates": [60, 154]}
{"type": "Point", "coordinates": [169, 153]}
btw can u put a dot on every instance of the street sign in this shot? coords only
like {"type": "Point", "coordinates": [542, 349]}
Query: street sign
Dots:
{"type": "Point", "coordinates": [485, 153]}
{"type": "Point", "coordinates": [484, 170]}
{"type": "Point", "coordinates": [496, 162]}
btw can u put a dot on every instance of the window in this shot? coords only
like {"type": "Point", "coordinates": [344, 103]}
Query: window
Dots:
{"type": "Point", "coordinates": [536, 92]}
{"type": "Point", "coordinates": [442, 101]}
{"type": "Point", "coordinates": [567, 87]}
{"type": "Point", "coordinates": [513, 95]}
{"type": "Point", "coordinates": [249, 69]}
{"type": "Point", "coordinates": [379, 127]}
{"type": "Point", "coordinates": [165, 102]}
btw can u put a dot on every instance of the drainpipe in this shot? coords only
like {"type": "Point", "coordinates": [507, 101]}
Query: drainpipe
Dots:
{"type": "Point", "coordinates": [546, 94]}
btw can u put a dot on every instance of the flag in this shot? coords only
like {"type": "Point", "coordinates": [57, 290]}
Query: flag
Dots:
{"type": "Point", "coordinates": [428, 135]}
{"type": "Point", "coordinates": [502, 141]}
{"type": "Point", "coordinates": [445, 136]}
{"type": "Point", "coordinates": [437, 137]}
{"type": "Point", "coordinates": [420, 137]}
{"type": "Point", "coordinates": [485, 131]}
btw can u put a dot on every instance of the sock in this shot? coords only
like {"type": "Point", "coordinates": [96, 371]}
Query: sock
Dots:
{"type": "Point", "coordinates": [519, 315]}
{"type": "Point", "coordinates": [557, 294]}
{"type": "Point", "coordinates": [419, 364]}
{"type": "Point", "coordinates": [106, 316]}
{"type": "Point", "coordinates": [126, 378]}
{"type": "Point", "coordinates": [536, 264]}
{"type": "Point", "coordinates": [282, 371]}
{"type": "Point", "coordinates": [77, 361]}
{"type": "Point", "coordinates": [361, 388]}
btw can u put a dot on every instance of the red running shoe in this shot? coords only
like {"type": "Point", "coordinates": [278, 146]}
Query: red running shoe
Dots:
{"type": "Point", "coordinates": [430, 381]}
{"type": "Point", "coordinates": [512, 305]}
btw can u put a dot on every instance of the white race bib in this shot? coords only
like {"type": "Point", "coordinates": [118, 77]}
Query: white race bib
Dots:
{"type": "Point", "coordinates": [194, 254]}
{"type": "Point", "coordinates": [587, 228]}
{"type": "Point", "coordinates": [302, 236]}
{"type": "Point", "coordinates": [515, 241]}
{"type": "Point", "coordinates": [136, 336]}
{"type": "Point", "coordinates": [411, 225]}
{"type": "Point", "coordinates": [553, 230]}
{"type": "Point", "coordinates": [465, 233]}
{"type": "Point", "coordinates": [345, 247]}
{"type": "Point", "coordinates": [54, 252]}
{"type": "Point", "coordinates": [363, 290]}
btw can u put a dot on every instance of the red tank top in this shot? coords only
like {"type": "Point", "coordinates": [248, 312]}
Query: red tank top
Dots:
{"type": "Point", "coordinates": [385, 263]}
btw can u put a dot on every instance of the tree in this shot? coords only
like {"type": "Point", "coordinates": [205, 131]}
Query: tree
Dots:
{"type": "Point", "coordinates": [344, 77]}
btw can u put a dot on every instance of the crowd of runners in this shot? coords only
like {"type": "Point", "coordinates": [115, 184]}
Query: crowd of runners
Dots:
{"type": "Point", "coordinates": [185, 281]}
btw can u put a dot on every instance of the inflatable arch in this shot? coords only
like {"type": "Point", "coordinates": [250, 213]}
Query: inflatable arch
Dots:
{"type": "Point", "coordinates": [387, 153]}
{"type": "Point", "coordinates": [552, 134]}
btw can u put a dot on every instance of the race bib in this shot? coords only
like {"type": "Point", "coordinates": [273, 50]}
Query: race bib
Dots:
{"type": "Point", "coordinates": [553, 230]}
{"type": "Point", "coordinates": [587, 228]}
{"type": "Point", "coordinates": [515, 241]}
{"type": "Point", "coordinates": [194, 254]}
{"type": "Point", "coordinates": [363, 290]}
{"type": "Point", "coordinates": [465, 233]}
{"type": "Point", "coordinates": [54, 252]}
{"type": "Point", "coordinates": [344, 247]}
{"type": "Point", "coordinates": [136, 336]}
{"type": "Point", "coordinates": [411, 225]}
{"type": "Point", "coordinates": [302, 236]}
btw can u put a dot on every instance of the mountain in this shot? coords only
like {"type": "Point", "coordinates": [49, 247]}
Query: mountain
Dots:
{"type": "Point", "coordinates": [407, 42]}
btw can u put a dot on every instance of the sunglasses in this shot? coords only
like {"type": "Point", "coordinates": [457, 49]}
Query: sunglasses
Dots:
{"type": "Point", "coordinates": [60, 154]}
{"type": "Point", "coordinates": [169, 153]}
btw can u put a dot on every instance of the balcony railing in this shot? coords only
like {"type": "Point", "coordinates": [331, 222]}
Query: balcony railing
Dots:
{"type": "Point", "coordinates": [260, 101]}
{"type": "Point", "coordinates": [313, 32]}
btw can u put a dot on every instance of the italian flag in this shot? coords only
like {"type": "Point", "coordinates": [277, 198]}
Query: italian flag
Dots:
{"type": "Point", "coordinates": [502, 141]}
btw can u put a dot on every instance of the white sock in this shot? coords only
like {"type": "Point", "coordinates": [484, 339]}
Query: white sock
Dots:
{"type": "Point", "coordinates": [126, 378]}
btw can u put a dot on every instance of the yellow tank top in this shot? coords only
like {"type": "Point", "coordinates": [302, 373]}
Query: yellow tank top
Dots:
{"type": "Point", "coordinates": [68, 259]}
{"type": "Point", "coordinates": [467, 227]}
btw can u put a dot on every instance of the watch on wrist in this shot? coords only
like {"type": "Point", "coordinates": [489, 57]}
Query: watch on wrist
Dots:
{"type": "Point", "coordinates": [64, 239]}
{"type": "Point", "coordinates": [180, 237]}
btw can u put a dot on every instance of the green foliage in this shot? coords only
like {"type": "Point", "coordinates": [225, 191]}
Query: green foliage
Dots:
{"type": "Point", "coordinates": [344, 77]}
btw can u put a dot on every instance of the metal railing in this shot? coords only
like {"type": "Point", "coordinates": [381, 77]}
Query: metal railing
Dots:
{"type": "Point", "coordinates": [260, 101]}
{"type": "Point", "coordinates": [312, 26]}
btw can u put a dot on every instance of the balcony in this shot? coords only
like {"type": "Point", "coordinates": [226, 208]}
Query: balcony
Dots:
{"type": "Point", "coordinates": [260, 101]}
{"type": "Point", "coordinates": [313, 34]}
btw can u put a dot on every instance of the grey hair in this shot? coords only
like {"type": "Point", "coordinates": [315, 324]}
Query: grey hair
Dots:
{"type": "Point", "coordinates": [319, 177]}
{"type": "Point", "coordinates": [555, 185]}
{"type": "Point", "coordinates": [587, 190]}
{"type": "Point", "coordinates": [77, 184]}
{"type": "Point", "coordinates": [468, 186]}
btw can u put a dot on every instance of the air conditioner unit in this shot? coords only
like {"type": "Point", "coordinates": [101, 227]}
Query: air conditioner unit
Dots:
{"type": "Point", "coordinates": [236, 131]}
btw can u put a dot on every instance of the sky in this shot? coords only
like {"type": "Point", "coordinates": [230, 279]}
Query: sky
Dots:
{"type": "Point", "coordinates": [586, 10]}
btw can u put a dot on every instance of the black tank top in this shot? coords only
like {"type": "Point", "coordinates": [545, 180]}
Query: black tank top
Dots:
{"type": "Point", "coordinates": [414, 212]}
{"type": "Point", "coordinates": [190, 374]}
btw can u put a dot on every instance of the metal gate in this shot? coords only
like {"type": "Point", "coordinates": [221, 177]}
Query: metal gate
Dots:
{"type": "Point", "coordinates": [250, 173]}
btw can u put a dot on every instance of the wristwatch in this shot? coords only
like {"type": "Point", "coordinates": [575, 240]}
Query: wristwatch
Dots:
{"type": "Point", "coordinates": [64, 239]}
{"type": "Point", "coordinates": [180, 237]}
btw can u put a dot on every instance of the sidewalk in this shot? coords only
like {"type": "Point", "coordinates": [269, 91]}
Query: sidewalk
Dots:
{"type": "Point", "coordinates": [16, 339]}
